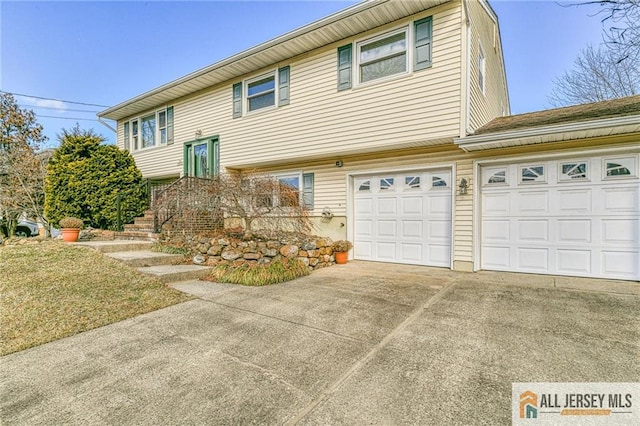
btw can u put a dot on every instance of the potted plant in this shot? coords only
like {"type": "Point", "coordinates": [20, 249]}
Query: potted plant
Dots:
{"type": "Point", "coordinates": [70, 227]}
{"type": "Point", "coordinates": [340, 250]}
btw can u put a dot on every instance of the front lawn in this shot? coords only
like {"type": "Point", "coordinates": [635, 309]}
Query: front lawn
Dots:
{"type": "Point", "coordinates": [53, 290]}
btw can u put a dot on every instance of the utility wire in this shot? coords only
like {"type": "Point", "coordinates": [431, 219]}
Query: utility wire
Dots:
{"type": "Point", "coordinates": [59, 109]}
{"type": "Point", "coordinates": [52, 99]}
{"type": "Point", "coordinates": [66, 118]}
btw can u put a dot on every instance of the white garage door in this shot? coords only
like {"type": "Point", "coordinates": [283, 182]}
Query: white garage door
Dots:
{"type": "Point", "coordinates": [404, 218]}
{"type": "Point", "coordinates": [575, 217]}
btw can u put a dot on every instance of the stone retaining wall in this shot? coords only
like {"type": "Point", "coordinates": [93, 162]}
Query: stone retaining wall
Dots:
{"type": "Point", "coordinates": [315, 252]}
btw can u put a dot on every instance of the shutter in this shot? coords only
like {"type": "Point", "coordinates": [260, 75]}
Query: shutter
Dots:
{"type": "Point", "coordinates": [344, 67]}
{"type": "Point", "coordinates": [307, 190]}
{"type": "Point", "coordinates": [283, 86]}
{"type": "Point", "coordinates": [169, 125]}
{"type": "Point", "coordinates": [422, 55]}
{"type": "Point", "coordinates": [237, 100]}
{"type": "Point", "coordinates": [126, 136]}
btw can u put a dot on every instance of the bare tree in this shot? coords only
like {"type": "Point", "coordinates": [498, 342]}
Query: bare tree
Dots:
{"type": "Point", "coordinates": [621, 21]}
{"type": "Point", "coordinates": [22, 171]}
{"type": "Point", "coordinates": [597, 75]}
{"type": "Point", "coordinates": [261, 202]}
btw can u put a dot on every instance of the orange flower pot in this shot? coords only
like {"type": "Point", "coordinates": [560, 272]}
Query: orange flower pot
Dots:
{"type": "Point", "coordinates": [341, 257]}
{"type": "Point", "coordinates": [70, 235]}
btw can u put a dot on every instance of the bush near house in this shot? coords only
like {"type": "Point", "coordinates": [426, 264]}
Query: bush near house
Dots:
{"type": "Point", "coordinates": [84, 178]}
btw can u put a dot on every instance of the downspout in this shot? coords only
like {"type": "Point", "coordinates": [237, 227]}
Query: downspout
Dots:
{"type": "Point", "coordinates": [466, 70]}
{"type": "Point", "coordinates": [106, 125]}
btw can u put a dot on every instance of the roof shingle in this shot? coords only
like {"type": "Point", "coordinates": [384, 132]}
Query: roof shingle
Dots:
{"type": "Point", "coordinates": [573, 114]}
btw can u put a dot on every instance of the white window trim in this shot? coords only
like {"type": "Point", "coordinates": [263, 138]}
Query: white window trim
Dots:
{"type": "Point", "coordinates": [156, 140]}
{"type": "Point", "coordinates": [408, 30]}
{"type": "Point", "coordinates": [482, 70]}
{"type": "Point", "coordinates": [245, 92]}
{"type": "Point", "coordinates": [297, 175]}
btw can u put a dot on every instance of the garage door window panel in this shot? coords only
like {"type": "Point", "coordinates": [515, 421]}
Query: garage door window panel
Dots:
{"type": "Point", "coordinates": [412, 182]}
{"type": "Point", "coordinates": [533, 174]}
{"type": "Point", "coordinates": [496, 176]}
{"type": "Point", "coordinates": [620, 168]}
{"type": "Point", "coordinates": [387, 184]}
{"type": "Point", "coordinates": [573, 171]}
{"type": "Point", "coordinates": [364, 185]}
{"type": "Point", "coordinates": [439, 182]}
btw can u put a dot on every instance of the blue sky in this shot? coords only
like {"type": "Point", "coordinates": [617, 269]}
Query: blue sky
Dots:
{"type": "Point", "coordinates": [104, 53]}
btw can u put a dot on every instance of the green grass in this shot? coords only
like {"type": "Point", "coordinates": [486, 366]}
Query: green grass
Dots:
{"type": "Point", "coordinates": [53, 290]}
{"type": "Point", "coordinates": [259, 275]}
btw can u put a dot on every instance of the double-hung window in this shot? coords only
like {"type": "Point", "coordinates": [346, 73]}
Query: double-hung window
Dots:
{"type": "Point", "coordinates": [293, 190]}
{"type": "Point", "coordinates": [383, 56]}
{"type": "Point", "coordinates": [394, 53]}
{"type": "Point", "coordinates": [265, 91]}
{"type": "Point", "coordinates": [261, 92]}
{"type": "Point", "coordinates": [148, 131]}
{"type": "Point", "coordinates": [482, 71]}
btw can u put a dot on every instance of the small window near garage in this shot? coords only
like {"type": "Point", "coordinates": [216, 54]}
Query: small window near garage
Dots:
{"type": "Point", "coordinates": [532, 174]}
{"type": "Point", "coordinates": [412, 182]}
{"type": "Point", "coordinates": [438, 182]}
{"type": "Point", "coordinates": [364, 186]}
{"type": "Point", "coordinates": [386, 184]}
{"type": "Point", "coordinates": [495, 176]}
{"type": "Point", "coordinates": [573, 170]}
{"type": "Point", "coordinates": [622, 167]}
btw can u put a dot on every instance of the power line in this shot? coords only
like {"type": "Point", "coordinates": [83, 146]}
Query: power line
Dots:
{"type": "Point", "coordinates": [52, 99]}
{"type": "Point", "coordinates": [66, 118]}
{"type": "Point", "coordinates": [64, 109]}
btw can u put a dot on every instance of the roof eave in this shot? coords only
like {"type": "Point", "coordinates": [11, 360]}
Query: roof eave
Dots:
{"type": "Point", "coordinates": [138, 104]}
{"type": "Point", "coordinates": [551, 133]}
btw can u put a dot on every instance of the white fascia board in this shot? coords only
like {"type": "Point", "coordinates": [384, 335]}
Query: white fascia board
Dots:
{"type": "Point", "coordinates": [617, 125]}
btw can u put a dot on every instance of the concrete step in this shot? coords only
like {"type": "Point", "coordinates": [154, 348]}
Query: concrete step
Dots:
{"type": "Point", "coordinates": [176, 273]}
{"type": "Point", "coordinates": [136, 235]}
{"type": "Point", "coordinates": [117, 245]}
{"type": "Point", "coordinates": [141, 221]}
{"type": "Point", "coordinates": [136, 227]}
{"type": "Point", "coordinates": [141, 258]}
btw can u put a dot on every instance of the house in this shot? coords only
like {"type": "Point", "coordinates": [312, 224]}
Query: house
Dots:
{"type": "Point", "coordinates": [385, 116]}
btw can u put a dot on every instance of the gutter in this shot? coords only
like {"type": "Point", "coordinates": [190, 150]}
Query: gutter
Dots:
{"type": "Point", "coordinates": [355, 9]}
{"type": "Point", "coordinates": [472, 143]}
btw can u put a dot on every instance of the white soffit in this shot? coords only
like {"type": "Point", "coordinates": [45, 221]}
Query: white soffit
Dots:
{"type": "Point", "coordinates": [553, 133]}
{"type": "Point", "coordinates": [346, 23]}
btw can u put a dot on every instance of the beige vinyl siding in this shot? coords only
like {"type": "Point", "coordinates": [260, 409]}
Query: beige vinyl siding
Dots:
{"type": "Point", "coordinates": [321, 121]}
{"type": "Point", "coordinates": [417, 109]}
{"type": "Point", "coordinates": [157, 162]}
{"type": "Point", "coordinates": [484, 31]}
{"type": "Point", "coordinates": [463, 213]}
{"type": "Point", "coordinates": [330, 186]}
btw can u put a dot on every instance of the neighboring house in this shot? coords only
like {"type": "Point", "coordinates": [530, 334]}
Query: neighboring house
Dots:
{"type": "Point", "coordinates": [367, 112]}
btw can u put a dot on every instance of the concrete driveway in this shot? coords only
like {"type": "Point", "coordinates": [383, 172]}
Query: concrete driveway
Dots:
{"type": "Point", "coordinates": [362, 343]}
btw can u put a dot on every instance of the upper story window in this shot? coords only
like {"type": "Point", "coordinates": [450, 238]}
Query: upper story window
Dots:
{"type": "Point", "coordinates": [482, 70]}
{"type": "Point", "coordinates": [261, 92]}
{"type": "Point", "coordinates": [155, 129]}
{"type": "Point", "coordinates": [385, 55]}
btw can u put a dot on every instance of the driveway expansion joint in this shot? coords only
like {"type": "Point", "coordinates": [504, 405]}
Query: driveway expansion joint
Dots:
{"type": "Point", "coordinates": [324, 395]}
